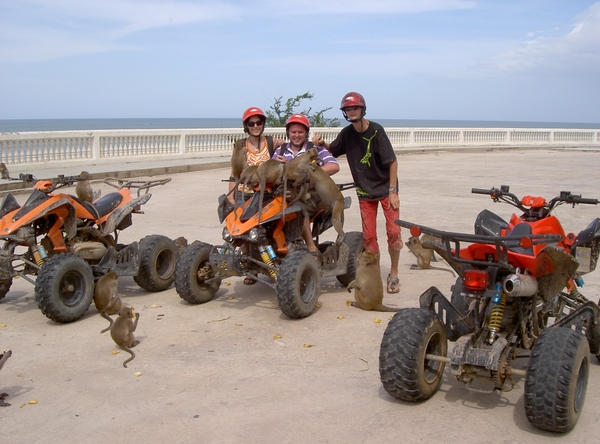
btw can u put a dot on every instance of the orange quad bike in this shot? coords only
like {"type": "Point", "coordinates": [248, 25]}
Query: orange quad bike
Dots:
{"type": "Point", "coordinates": [269, 248]}
{"type": "Point", "coordinates": [62, 244]}
{"type": "Point", "coordinates": [516, 297]}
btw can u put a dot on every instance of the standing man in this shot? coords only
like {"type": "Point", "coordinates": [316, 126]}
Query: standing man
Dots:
{"type": "Point", "coordinates": [374, 170]}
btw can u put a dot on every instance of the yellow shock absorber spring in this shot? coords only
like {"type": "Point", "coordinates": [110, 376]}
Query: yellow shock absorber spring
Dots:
{"type": "Point", "coordinates": [496, 317]}
{"type": "Point", "coordinates": [264, 254]}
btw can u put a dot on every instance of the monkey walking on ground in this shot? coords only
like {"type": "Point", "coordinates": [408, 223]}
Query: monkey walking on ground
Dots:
{"type": "Point", "coordinates": [3, 358]}
{"type": "Point", "coordinates": [368, 286]}
{"type": "Point", "coordinates": [106, 299]}
{"type": "Point", "coordinates": [423, 254]}
{"type": "Point", "coordinates": [122, 331]}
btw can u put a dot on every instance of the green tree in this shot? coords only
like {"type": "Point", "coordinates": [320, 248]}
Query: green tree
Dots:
{"type": "Point", "coordinates": [279, 112]}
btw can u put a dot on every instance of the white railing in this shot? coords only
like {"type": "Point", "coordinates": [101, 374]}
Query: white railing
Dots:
{"type": "Point", "coordinates": [104, 146]}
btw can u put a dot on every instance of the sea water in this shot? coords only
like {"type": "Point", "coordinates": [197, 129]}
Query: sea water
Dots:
{"type": "Point", "coordinates": [8, 126]}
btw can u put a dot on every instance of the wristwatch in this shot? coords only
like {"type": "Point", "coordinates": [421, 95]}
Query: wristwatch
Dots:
{"type": "Point", "coordinates": [393, 189]}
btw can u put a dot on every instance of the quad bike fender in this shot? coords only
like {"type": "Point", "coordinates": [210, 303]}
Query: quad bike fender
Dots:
{"type": "Point", "coordinates": [457, 324]}
{"type": "Point", "coordinates": [121, 212]}
{"type": "Point", "coordinates": [584, 320]}
{"type": "Point", "coordinates": [554, 268]}
{"type": "Point", "coordinates": [125, 262]}
{"type": "Point", "coordinates": [61, 206]}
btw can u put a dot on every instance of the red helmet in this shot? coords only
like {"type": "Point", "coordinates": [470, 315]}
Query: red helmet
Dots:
{"type": "Point", "coordinates": [353, 99]}
{"type": "Point", "coordinates": [298, 118]}
{"type": "Point", "coordinates": [253, 111]}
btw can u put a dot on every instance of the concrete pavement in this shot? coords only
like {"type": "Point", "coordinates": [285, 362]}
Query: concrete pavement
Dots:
{"type": "Point", "coordinates": [236, 370]}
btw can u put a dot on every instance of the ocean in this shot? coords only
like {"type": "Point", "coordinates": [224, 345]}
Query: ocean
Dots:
{"type": "Point", "coordinates": [7, 126]}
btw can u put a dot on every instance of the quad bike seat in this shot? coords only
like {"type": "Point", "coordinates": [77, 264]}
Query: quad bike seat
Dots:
{"type": "Point", "coordinates": [107, 203]}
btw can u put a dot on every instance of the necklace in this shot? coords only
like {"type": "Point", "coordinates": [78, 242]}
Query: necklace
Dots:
{"type": "Point", "coordinates": [256, 146]}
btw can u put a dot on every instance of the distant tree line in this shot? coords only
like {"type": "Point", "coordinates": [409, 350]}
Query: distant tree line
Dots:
{"type": "Point", "coordinates": [279, 112]}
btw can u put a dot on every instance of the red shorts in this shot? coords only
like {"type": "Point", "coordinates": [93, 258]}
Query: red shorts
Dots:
{"type": "Point", "coordinates": [368, 214]}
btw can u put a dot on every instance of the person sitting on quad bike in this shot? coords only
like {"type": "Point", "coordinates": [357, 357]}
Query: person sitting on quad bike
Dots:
{"type": "Point", "coordinates": [297, 127]}
{"type": "Point", "coordinates": [254, 149]}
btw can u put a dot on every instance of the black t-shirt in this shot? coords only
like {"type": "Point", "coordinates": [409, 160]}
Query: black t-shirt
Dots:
{"type": "Point", "coordinates": [369, 155]}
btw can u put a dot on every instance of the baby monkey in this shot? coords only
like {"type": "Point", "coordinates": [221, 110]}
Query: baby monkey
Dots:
{"type": "Point", "coordinates": [122, 331]}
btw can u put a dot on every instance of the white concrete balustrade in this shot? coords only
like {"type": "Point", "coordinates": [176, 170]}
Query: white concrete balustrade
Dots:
{"type": "Point", "coordinates": [99, 146]}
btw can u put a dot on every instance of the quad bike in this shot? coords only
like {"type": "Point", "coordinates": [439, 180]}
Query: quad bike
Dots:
{"type": "Point", "coordinates": [267, 246]}
{"type": "Point", "coordinates": [516, 296]}
{"type": "Point", "coordinates": [78, 244]}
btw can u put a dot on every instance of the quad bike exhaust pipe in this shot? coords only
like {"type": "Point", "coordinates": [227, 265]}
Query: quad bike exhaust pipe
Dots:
{"type": "Point", "coordinates": [516, 285]}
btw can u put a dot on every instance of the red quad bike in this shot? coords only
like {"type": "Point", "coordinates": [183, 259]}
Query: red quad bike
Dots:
{"type": "Point", "coordinates": [516, 296]}
{"type": "Point", "coordinates": [61, 244]}
{"type": "Point", "coordinates": [270, 249]}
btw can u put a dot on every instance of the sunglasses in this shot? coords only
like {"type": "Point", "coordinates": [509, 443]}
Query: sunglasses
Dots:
{"type": "Point", "coordinates": [352, 108]}
{"type": "Point", "coordinates": [252, 123]}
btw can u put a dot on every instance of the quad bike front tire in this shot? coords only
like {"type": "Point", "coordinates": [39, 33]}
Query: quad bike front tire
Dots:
{"type": "Point", "coordinates": [5, 286]}
{"type": "Point", "coordinates": [298, 284]}
{"type": "Point", "coordinates": [404, 370]}
{"type": "Point", "coordinates": [158, 256]}
{"type": "Point", "coordinates": [355, 242]}
{"type": "Point", "coordinates": [64, 288]}
{"type": "Point", "coordinates": [557, 378]}
{"type": "Point", "coordinates": [192, 270]}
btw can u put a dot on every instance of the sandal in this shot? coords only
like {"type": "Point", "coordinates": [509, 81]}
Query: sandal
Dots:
{"type": "Point", "coordinates": [393, 285]}
{"type": "Point", "coordinates": [249, 281]}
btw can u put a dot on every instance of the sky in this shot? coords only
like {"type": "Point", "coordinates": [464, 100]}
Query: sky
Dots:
{"type": "Point", "coordinates": [490, 60]}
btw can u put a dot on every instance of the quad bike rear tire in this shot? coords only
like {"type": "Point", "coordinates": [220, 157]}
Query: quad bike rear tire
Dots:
{"type": "Point", "coordinates": [158, 256]}
{"type": "Point", "coordinates": [64, 288]}
{"type": "Point", "coordinates": [557, 378]}
{"type": "Point", "coordinates": [355, 242]}
{"type": "Point", "coordinates": [404, 371]}
{"type": "Point", "coordinates": [298, 284]}
{"type": "Point", "coordinates": [5, 286]}
{"type": "Point", "coordinates": [192, 270]}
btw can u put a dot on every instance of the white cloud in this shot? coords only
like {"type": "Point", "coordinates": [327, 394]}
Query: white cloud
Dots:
{"type": "Point", "coordinates": [73, 27]}
{"type": "Point", "coordinates": [576, 53]}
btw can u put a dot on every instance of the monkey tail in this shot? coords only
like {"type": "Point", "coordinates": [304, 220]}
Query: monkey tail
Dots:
{"type": "Point", "coordinates": [130, 359]}
{"type": "Point", "coordinates": [261, 190]}
{"type": "Point", "coordinates": [105, 316]}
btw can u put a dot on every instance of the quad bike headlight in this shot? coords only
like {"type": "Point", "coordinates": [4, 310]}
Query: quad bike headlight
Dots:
{"type": "Point", "coordinates": [253, 234]}
{"type": "Point", "coordinates": [227, 237]}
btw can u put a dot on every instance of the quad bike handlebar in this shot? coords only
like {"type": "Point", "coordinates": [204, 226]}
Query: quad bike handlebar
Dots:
{"type": "Point", "coordinates": [139, 185]}
{"type": "Point", "coordinates": [534, 208]}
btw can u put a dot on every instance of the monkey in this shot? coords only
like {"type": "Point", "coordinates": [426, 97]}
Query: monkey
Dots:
{"type": "Point", "coordinates": [297, 171]}
{"type": "Point", "coordinates": [83, 189]}
{"type": "Point", "coordinates": [368, 286]}
{"type": "Point", "coordinates": [238, 158]}
{"type": "Point", "coordinates": [4, 174]}
{"type": "Point", "coordinates": [122, 331]}
{"type": "Point", "coordinates": [269, 172]}
{"type": "Point", "coordinates": [424, 254]}
{"type": "Point", "coordinates": [329, 198]}
{"type": "Point", "coordinates": [3, 358]}
{"type": "Point", "coordinates": [181, 243]}
{"type": "Point", "coordinates": [106, 298]}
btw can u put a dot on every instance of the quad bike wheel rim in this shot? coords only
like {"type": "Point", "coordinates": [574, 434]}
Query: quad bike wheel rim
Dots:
{"type": "Point", "coordinates": [71, 288]}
